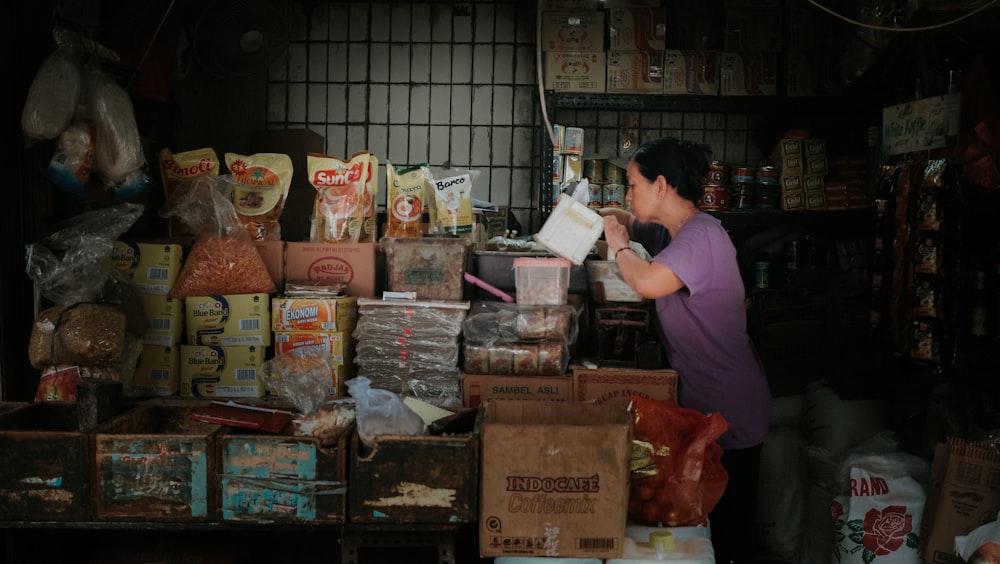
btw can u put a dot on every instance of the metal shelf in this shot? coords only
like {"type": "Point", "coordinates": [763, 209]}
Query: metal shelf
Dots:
{"type": "Point", "coordinates": [689, 103]}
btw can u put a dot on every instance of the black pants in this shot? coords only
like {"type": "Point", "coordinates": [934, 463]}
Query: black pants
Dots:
{"type": "Point", "coordinates": [734, 534]}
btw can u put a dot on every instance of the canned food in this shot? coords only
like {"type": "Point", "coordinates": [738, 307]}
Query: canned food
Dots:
{"type": "Point", "coordinates": [766, 197]}
{"type": "Point", "coordinates": [714, 198]}
{"type": "Point", "coordinates": [716, 173]}
{"type": "Point", "coordinates": [767, 175]}
{"type": "Point", "coordinates": [744, 174]}
{"type": "Point", "coordinates": [614, 195]}
{"type": "Point", "coordinates": [762, 274]}
{"type": "Point", "coordinates": [614, 174]}
{"type": "Point", "coordinates": [593, 169]}
{"type": "Point", "coordinates": [596, 200]}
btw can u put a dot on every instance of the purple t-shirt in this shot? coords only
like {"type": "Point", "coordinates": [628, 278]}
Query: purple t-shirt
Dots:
{"type": "Point", "coordinates": [704, 329]}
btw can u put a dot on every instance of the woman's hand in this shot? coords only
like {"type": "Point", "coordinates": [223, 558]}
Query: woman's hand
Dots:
{"type": "Point", "coordinates": [615, 234]}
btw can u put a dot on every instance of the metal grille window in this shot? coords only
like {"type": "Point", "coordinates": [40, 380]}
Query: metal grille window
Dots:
{"type": "Point", "coordinates": [453, 84]}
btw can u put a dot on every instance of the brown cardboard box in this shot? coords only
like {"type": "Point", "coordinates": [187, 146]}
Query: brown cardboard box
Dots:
{"type": "Point", "coordinates": [691, 72]}
{"type": "Point", "coordinates": [573, 31]}
{"type": "Point", "coordinates": [637, 29]}
{"type": "Point", "coordinates": [575, 72]}
{"type": "Point", "coordinates": [554, 479]}
{"type": "Point", "coordinates": [636, 72]}
{"type": "Point", "coordinates": [351, 263]}
{"type": "Point", "coordinates": [477, 388]}
{"type": "Point", "coordinates": [273, 254]}
{"type": "Point", "coordinates": [616, 385]}
{"type": "Point", "coordinates": [748, 74]}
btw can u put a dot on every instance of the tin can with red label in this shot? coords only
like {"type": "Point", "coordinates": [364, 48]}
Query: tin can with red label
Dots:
{"type": "Point", "coordinates": [744, 174]}
{"type": "Point", "coordinates": [614, 195]}
{"type": "Point", "coordinates": [596, 196]}
{"type": "Point", "coordinates": [714, 198]}
{"type": "Point", "coordinates": [767, 175]}
{"type": "Point", "coordinates": [741, 196]}
{"type": "Point", "coordinates": [716, 173]}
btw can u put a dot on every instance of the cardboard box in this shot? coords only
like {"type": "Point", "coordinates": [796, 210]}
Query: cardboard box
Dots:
{"type": "Point", "coordinates": [793, 200]}
{"type": "Point", "coordinates": [157, 373]}
{"type": "Point", "coordinates": [748, 74]}
{"type": "Point", "coordinates": [164, 318]}
{"type": "Point", "coordinates": [231, 372]}
{"type": "Point", "coordinates": [753, 28]}
{"type": "Point", "coordinates": [575, 72]}
{"type": "Point", "coordinates": [554, 479]}
{"type": "Point", "coordinates": [340, 344]}
{"type": "Point", "coordinates": [791, 181]}
{"type": "Point", "coordinates": [573, 31]}
{"type": "Point", "coordinates": [228, 320]}
{"type": "Point", "coordinates": [273, 254]}
{"type": "Point", "coordinates": [477, 388]}
{"type": "Point", "coordinates": [635, 72]}
{"type": "Point", "coordinates": [617, 385]}
{"type": "Point", "coordinates": [815, 200]}
{"type": "Point", "coordinates": [314, 314]}
{"type": "Point", "coordinates": [350, 263]}
{"type": "Point", "coordinates": [691, 72]}
{"type": "Point", "coordinates": [813, 182]}
{"type": "Point", "coordinates": [153, 267]}
{"type": "Point", "coordinates": [637, 29]}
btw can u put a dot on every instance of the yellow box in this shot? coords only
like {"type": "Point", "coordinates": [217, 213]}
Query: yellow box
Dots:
{"type": "Point", "coordinates": [792, 200]}
{"type": "Point", "coordinates": [340, 344]}
{"type": "Point", "coordinates": [812, 182]}
{"type": "Point", "coordinates": [164, 318]}
{"type": "Point", "coordinates": [816, 200]}
{"type": "Point", "coordinates": [157, 372]}
{"type": "Point", "coordinates": [212, 371]}
{"type": "Point", "coordinates": [154, 267]}
{"type": "Point", "coordinates": [314, 314]}
{"type": "Point", "coordinates": [229, 320]}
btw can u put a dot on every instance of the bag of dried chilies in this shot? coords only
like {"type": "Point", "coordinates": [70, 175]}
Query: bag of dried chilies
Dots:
{"type": "Point", "coordinates": [223, 259]}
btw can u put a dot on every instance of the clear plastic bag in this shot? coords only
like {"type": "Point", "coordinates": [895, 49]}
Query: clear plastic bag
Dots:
{"type": "Point", "coordinates": [302, 376]}
{"type": "Point", "coordinates": [223, 259]}
{"type": "Point", "coordinates": [491, 322]}
{"type": "Point", "coordinates": [53, 96]}
{"type": "Point", "coordinates": [382, 412]}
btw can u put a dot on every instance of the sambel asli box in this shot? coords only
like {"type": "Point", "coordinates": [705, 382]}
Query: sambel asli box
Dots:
{"type": "Point", "coordinates": [554, 479]}
{"type": "Point", "coordinates": [228, 320]}
{"type": "Point", "coordinates": [352, 264]}
{"type": "Point", "coordinates": [617, 385]}
{"type": "Point", "coordinates": [478, 388]}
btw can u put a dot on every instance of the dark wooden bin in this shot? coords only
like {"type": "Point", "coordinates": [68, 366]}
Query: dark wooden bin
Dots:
{"type": "Point", "coordinates": [415, 479]}
{"type": "Point", "coordinates": [154, 463]}
{"type": "Point", "coordinates": [43, 475]}
{"type": "Point", "coordinates": [283, 478]}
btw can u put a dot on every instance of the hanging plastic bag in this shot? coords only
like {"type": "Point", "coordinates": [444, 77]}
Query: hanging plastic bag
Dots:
{"type": "Point", "coordinates": [677, 475]}
{"type": "Point", "coordinates": [223, 259]}
{"type": "Point", "coordinates": [53, 96]}
{"type": "Point", "coordinates": [118, 154]}
{"type": "Point", "coordinates": [381, 412]}
{"type": "Point", "coordinates": [70, 167]}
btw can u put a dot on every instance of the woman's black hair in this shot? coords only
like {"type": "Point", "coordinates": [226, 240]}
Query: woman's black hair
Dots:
{"type": "Point", "coordinates": [683, 164]}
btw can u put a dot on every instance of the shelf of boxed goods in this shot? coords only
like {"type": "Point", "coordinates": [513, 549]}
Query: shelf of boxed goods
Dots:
{"type": "Point", "coordinates": [690, 103]}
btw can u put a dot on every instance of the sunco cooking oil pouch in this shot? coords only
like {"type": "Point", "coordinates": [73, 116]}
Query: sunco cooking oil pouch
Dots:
{"type": "Point", "coordinates": [260, 186]}
{"type": "Point", "coordinates": [451, 195]}
{"type": "Point", "coordinates": [338, 212]}
{"type": "Point", "coordinates": [406, 190]}
{"type": "Point", "coordinates": [369, 224]}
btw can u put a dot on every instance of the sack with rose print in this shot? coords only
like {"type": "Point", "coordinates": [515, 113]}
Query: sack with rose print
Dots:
{"type": "Point", "coordinates": [877, 520]}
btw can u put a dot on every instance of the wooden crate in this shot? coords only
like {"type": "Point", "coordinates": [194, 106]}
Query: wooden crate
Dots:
{"type": "Point", "coordinates": [41, 477]}
{"type": "Point", "coordinates": [283, 478]}
{"type": "Point", "coordinates": [415, 479]}
{"type": "Point", "coordinates": [154, 463]}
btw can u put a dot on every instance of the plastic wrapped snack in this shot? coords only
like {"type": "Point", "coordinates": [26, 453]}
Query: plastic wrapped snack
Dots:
{"type": "Point", "coordinates": [497, 322]}
{"type": "Point", "coordinates": [302, 376]}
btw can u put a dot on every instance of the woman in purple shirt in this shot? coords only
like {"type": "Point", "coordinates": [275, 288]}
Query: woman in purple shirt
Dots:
{"type": "Point", "coordinates": [695, 281]}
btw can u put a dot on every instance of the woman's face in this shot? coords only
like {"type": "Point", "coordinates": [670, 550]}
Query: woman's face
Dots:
{"type": "Point", "coordinates": [641, 195]}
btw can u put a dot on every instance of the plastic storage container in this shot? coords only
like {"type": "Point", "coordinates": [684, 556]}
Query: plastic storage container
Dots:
{"type": "Point", "coordinates": [684, 545]}
{"type": "Point", "coordinates": [541, 281]}
{"type": "Point", "coordinates": [497, 269]}
{"type": "Point", "coordinates": [571, 230]}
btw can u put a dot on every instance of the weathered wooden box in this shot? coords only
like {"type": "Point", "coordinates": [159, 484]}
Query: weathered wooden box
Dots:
{"type": "Point", "coordinates": [415, 479]}
{"type": "Point", "coordinates": [283, 478]}
{"type": "Point", "coordinates": [43, 474]}
{"type": "Point", "coordinates": [154, 463]}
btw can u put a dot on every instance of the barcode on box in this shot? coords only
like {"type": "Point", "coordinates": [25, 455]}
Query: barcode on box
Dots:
{"type": "Point", "coordinates": [250, 325]}
{"type": "Point", "coordinates": [160, 323]}
{"type": "Point", "coordinates": [159, 375]}
{"type": "Point", "coordinates": [596, 543]}
{"type": "Point", "coordinates": [157, 273]}
{"type": "Point", "coordinates": [246, 375]}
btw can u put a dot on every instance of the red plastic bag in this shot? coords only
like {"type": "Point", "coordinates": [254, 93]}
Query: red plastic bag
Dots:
{"type": "Point", "coordinates": [682, 477]}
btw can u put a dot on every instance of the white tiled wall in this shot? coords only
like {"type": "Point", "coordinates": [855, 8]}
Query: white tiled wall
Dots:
{"type": "Point", "coordinates": [453, 84]}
